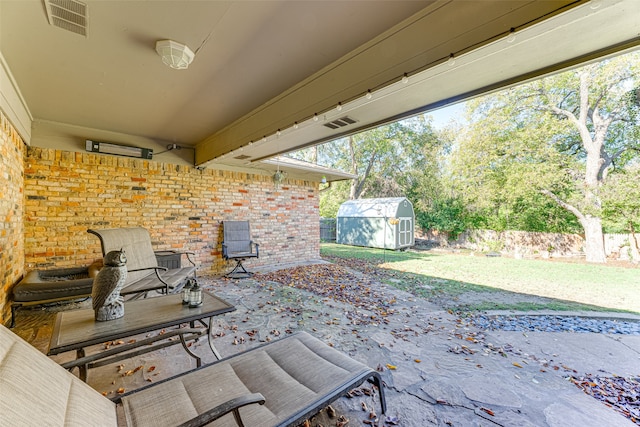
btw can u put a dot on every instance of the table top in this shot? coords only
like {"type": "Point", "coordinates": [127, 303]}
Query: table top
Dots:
{"type": "Point", "coordinates": [76, 329]}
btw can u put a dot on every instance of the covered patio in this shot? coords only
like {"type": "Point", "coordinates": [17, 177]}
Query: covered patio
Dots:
{"type": "Point", "coordinates": [437, 369]}
{"type": "Point", "coordinates": [266, 78]}
{"type": "Point", "coordinates": [205, 144]}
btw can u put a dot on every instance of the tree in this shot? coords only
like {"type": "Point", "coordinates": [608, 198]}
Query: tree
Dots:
{"type": "Point", "coordinates": [559, 136]}
{"type": "Point", "coordinates": [621, 203]}
{"type": "Point", "coordinates": [400, 159]}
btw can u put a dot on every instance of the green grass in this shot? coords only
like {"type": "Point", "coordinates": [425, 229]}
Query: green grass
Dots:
{"type": "Point", "coordinates": [572, 286]}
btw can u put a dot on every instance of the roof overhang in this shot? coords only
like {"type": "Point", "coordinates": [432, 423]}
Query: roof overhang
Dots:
{"type": "Point", "coordinates": [452, 67]}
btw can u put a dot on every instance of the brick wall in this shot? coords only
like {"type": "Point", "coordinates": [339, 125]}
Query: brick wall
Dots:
{"type": "Point", "coordinates": [67, 193]}
{"type": "Point", "coordinates": [12, 151]}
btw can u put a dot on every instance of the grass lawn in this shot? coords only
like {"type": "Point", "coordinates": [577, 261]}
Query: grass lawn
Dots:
{"type": "Point", "coordinates": [575, 286]}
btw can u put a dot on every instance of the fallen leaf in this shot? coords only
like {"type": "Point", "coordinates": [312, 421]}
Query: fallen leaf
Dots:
{"type": "Point", "coordinates": [121, 390]}
{"type": "Point", "coordinates": [391, 367]}
{"type": "Point", "coordinates": [417, 360]}
{"type": "Point", "coordinates": [331, 412]}
{"type": "Point", "coordinates": [517, 365]}
{"type": "Point", "coordinates": [488, 411]}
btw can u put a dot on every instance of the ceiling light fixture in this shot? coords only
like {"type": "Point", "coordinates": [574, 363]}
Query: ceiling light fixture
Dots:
{"type": "Point", "coordinates": [176, 55]}
{"type": "Point", "coordinates": [452, 60]}
{"type": "Point", "coordinates": [512, 35]}
{"type": "Point", "coordinates": [405, 78]}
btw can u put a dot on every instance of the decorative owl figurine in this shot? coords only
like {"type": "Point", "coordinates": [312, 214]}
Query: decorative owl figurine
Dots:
{"type": "Point", "coordinates": [107, 302]}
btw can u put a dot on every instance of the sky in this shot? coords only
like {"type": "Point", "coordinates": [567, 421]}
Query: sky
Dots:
{"type": "Point", "coordinates": [442, 116]}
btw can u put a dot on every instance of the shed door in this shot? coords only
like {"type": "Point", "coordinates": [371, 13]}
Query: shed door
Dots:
{"type": "Point", "coordinates": [404, 231]}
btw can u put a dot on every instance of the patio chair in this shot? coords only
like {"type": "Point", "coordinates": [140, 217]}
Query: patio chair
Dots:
{"type": "Point", "coordinates": [143, 272]}
{"type": "Point", "coordinates": [277, 384]}
{"type": "Point", "coordinates": [237, 245]}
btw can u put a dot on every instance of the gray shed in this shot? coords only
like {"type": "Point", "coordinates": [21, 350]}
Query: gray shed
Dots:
{"type": "Point", "coordinates": [377, 223]}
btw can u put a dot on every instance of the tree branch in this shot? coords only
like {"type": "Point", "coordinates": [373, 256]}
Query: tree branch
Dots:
{"type": "Point", "coordinates": [564, 205]}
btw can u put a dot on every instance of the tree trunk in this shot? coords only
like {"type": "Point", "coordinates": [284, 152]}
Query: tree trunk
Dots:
{"type": "Point", "coordinates": [593, 239]}
{"type": "Point", "coordinates": [633, 244]}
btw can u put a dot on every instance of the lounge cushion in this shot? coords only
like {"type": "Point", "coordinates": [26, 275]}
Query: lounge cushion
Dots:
{"type": "Point", "coordinates": [297, 375]}
{"type": "Point", "coordinates": [35, 391]}
{"type": "Point", "coordinates": [42, 285]}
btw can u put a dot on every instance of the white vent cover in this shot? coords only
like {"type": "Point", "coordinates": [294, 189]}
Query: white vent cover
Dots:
{"type": "Point", "coordinates": [70, 15]}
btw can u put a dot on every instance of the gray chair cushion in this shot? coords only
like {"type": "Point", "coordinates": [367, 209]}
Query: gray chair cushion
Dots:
{"type": "Point", "coordinates": [35, 391]}
{"type": "Point", "coordinates": [297, 375]}
{"type": "Point", "coordinates": [136, 242]}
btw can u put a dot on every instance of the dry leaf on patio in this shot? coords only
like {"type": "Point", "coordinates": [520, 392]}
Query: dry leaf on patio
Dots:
{"type": "Point", "coordinates": [331, 412]}
{"type": "Point", "coordinates": [391, 367]}
{"type": "Point", "coordinates": [151, 369]}
{"type": "Point", "coordinates": [488, 411]}
{"type": "Point", "coordinates": [517, 365]}
{"type": "Point", "coordinates": [120, 390]}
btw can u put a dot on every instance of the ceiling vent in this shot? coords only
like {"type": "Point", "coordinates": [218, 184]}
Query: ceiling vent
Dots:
{"type": "Point", "coordinates": [70, 15]}
{"type": "Point", "coordinates": [341, 122]}
{"type": "Point", "coordinates": [242, 157]}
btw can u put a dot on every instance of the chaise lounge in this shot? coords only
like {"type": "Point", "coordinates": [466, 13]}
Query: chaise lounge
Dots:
{"type": "Point", "coordinates": [277, 384]}
{"type": "Point", "coordinates": [43, 287]}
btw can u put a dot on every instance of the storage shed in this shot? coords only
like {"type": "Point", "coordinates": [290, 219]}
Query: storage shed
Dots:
{"type": "Point", "coordinates": [377, 223]}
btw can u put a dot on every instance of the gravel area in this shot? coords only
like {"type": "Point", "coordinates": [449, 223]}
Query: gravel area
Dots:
{"type": "Point", "coordinates": [556, 323]}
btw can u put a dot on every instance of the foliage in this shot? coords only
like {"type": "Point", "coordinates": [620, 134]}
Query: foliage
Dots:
{"type": "Point", "coordinates": [621, 201]}
{"type": "Point", "coordinates": [448, 215]}
{"type": "Point", "coordinates": [560, 137]}
{"type": "Point", "coordinates": [400, 159]}
{"type": "Point", "coordinates": [549, 155]}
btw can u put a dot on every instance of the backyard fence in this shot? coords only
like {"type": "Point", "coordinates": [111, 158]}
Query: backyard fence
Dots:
{"type": "Point", "coordinates": [327, 229]}
{"type": "Point", "coordinates": [524, 244]}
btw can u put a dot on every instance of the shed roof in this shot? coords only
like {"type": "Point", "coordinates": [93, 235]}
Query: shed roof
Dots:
{"type": "Point", "coordinates": [385, 207]}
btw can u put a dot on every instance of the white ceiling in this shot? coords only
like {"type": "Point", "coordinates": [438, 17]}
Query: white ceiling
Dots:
{"type": "Point", "coordinates": [264, 66]}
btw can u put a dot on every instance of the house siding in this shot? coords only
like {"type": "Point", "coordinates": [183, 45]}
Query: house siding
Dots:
{"type": "Point", "coordinates": [67, 193]}
{"type": "Point", "coordinates": [51, 197]}
{"type": "Point", "coordinates": [12, 152]}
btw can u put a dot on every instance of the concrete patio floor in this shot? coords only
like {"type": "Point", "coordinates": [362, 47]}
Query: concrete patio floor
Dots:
{"type": "Point", "coordinates": [438, 370]}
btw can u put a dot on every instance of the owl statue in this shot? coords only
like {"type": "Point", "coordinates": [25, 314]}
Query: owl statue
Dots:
{"type": "Point", "coordinates": [107, 302]}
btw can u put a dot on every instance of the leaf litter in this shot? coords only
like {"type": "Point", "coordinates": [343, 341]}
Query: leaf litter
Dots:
{"type": "Point", "coordinates": [338, 283]}
{"type": "Point", "coordinates": [372, 307]}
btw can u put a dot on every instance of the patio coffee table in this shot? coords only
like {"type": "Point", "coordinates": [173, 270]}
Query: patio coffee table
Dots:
{"type": "Point", "coordinates": [78, 329]}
